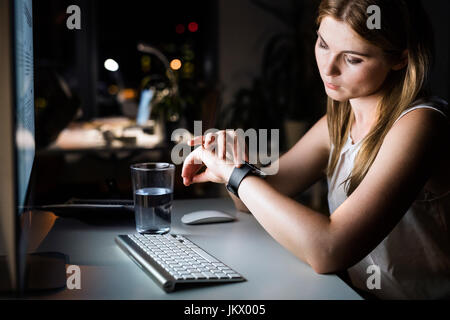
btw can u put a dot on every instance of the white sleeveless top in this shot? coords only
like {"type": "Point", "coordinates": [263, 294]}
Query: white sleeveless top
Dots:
{"type": "Point", "coordinates": [414, 259]}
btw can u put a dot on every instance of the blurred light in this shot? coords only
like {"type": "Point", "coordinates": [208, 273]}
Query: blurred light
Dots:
{"type": "Point", "coordinates": [188, 54]}
{"type": "Point", "coordinates": [174, 117]}
{"type": "Point", "coordinates": [113, 89]}
{"type": "Point", "coordinates": [41, 103]}
{"type": "Point", "coordinates": [193, 26]}
{"type": "Point", "coordinates": [25, 139]}
{"type": "Point", "coordinates": [111, 65]}
{"type": "Point", "coordinates": [128, 94]}
{"type": "Point", "coordinates": [179, 29]}
{"type": "Point", "coordinates": [188, 70]}
{"type": "Point", "coordinates": [145, 63]}
{"type": "Point", "coordinates": [175, 64]}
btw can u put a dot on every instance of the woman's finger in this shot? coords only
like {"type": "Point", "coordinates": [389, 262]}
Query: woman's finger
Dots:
{"type": "Point", "coordinates": [220, 150]}
{"type": "Point", "coordinates": [209, 140]}
{"type": "Point", "coordinates": [191, 165]}
{"type": "Point", "coordinates": [237, 156]}
{"type": "Point", "coordinates": [239, 150]}
{"type": "Point", "coordinates": [196, 141]}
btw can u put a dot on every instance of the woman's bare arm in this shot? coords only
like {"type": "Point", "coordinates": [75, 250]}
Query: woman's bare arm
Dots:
{"type": "Point", "coordinates": [302, 165]}
{"type": "Point", "coordinates": [401, 168]}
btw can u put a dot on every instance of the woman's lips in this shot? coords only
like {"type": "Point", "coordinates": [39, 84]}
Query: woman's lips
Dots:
{"type": "Point", "coordinates": [331, 86]}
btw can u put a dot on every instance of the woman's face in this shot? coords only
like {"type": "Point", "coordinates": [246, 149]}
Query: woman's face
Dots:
{"type": "Point", "coordinates": [349, 66]}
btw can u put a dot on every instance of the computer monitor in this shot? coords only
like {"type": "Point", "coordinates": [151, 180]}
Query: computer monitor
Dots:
{"type": "Point", "coordinates": [17, 148]}
{"type": "Point", "coordinates": [16, 126]}
{"type": "Point", "coordinates": [144, 110]}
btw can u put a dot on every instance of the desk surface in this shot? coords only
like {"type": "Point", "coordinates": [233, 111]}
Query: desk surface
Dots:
{"type": "Point", "coordinates": [271, 271]}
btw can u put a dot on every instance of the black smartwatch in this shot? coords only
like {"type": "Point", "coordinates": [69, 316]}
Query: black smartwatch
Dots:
{"type": "Point", "coordinates": [239, 174]}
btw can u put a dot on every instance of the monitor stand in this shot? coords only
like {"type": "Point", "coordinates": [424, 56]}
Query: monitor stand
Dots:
{"type": "Point", "coordinates": [45, 271]}
{"type": "Point", "coordinates": [39, 271]}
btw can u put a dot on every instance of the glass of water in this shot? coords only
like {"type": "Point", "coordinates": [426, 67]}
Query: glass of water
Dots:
{"type": "Point", "coordinates": [153, 195]}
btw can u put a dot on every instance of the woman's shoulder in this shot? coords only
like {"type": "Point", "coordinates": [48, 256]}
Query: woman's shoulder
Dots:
{"type": "Point", "coordinates": [425, 121]}
{"type": "Point", "coordinates": [429, 115]}
{"type": "Point", "coordinates": [427, 131]}
{"type": "Point", "coordinates": [431, 103]}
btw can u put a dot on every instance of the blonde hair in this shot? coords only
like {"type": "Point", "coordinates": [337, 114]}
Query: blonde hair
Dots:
{"type": "Point", "coordinates": [400, 31]}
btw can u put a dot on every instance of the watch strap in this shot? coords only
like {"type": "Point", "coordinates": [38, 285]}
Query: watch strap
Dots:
{"type": "Point", "coordinates": [237, 176]}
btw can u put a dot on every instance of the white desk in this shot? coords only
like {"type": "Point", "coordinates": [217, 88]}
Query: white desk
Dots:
{"type": "Point", "coordinates": [271, 271]}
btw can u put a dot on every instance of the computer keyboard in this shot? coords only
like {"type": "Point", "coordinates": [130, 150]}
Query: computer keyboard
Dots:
{"type": "Point", "coordinates": [173, 259]}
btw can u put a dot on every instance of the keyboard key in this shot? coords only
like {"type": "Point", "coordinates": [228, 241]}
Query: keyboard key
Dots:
{"type": "Point", "coordinates": [218, 264]}
{"type": "Point", "coordinates": [214, 271]}
{"type": "Point", "coordinates": [199, 275]}
{"type": "Point", "coordinates": [229, 271]}
{"type": "Point", "coordinates": [204, 255]}
{"type": "Point", "coordinates": [210, 275]}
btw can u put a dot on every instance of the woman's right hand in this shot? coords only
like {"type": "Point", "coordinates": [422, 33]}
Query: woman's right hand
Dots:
{"type": "Point", "coordinates": [226, 144]}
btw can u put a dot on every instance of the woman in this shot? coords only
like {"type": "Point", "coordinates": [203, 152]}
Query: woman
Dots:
{"type": "Point", "coordinates": [384, 148]}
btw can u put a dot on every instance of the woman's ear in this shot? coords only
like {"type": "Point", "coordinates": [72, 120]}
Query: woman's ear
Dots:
{"type": "Point", "coordinates": [403, 62]}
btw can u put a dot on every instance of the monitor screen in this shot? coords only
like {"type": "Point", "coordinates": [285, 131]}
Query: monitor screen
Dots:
{"type": "Point", "coordinates": [24, 95]}
{"type": "Point", "coordinates": [17, 142]}
{"type": "Point", "coordinates": [144, 109]}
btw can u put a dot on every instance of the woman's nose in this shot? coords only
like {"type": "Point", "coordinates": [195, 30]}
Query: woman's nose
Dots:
{"type": "Point", "coordinates": [331, 67]}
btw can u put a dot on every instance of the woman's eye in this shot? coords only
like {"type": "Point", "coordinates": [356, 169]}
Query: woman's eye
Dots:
{"type": "Point", "coordinates": [353, 60]}
{"type": "Point", "coordinates": [322, 45]}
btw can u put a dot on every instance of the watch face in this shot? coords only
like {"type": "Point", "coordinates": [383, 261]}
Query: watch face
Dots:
{"type": "Point", "coordinates": [256, 170]}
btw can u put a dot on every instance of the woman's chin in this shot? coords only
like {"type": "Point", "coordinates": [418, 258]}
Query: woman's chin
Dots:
{"type": "Point", "coordinates": [335, 95]}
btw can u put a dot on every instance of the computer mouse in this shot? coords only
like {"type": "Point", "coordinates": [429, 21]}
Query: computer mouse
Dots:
{"type": "Point", "coordinates": [206, 216]}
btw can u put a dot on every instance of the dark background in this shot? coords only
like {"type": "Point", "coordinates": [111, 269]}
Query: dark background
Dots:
{"type": "Point", "coordinates": [250, 64]}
